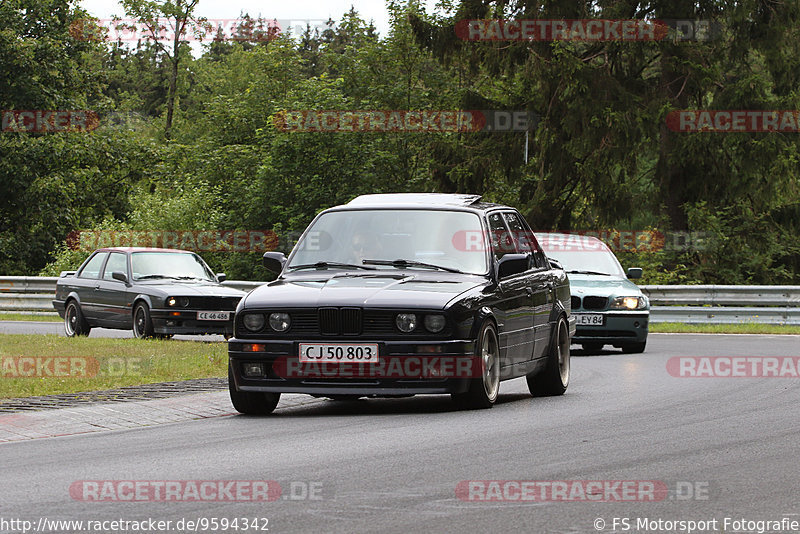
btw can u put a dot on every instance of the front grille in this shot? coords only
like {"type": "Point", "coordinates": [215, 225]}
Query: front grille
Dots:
{"type": "Point", "coordinates": [340, 321]}
{"type": "Point", "coordinates": [214, 303]}
{"type": "Point", "coordinates": [576, 302]}
{"type": "Point", "coordinates": [595, 303]}
{"type": "Point", "coordinates": [329, 321]}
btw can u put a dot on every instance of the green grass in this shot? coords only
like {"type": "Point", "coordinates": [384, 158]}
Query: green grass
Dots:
{"type": "Point", "coordinates": [25, 317]}
{"type": "Point", "coordinates": [745, 328]}
{"type": "Point", "coordinates": [101, 363]}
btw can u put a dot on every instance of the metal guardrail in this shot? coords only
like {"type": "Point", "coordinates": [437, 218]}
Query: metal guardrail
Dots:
{"type": "Point", "coordinates": [680, 304]}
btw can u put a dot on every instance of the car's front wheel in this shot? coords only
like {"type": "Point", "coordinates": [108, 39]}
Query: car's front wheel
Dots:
{"type": "Point", "coordinates": [554, 379]}
{"type": "Point", "coordinates": [75, 323]}
{"type": "Point", "coordinates": [142, 323]}
{"type": "Point", "coordinates": [483, 390]}
{"type": "Point", "coordinates": [249, 402]}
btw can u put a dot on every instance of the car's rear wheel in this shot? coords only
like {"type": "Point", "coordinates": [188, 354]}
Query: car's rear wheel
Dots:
{"type": "Point", "coordinates": [249, 402]}
{"type": "Point", "coordinates": [142, 323]}
{"type": "Point", "coordinates": [483, 390]}
{"type": "Point", "coordinates": [75, 323]}
{"type": "Point", "coordinates": [633, 348]}
{"type": "Point", "coordinates": [554, 379]}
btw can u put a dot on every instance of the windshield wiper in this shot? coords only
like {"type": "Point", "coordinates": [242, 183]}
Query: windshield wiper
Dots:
{"type": "Point", "coordinates": [154, 276]}
{"type": "Point", "coordinates": [587, 272]}
{"type": "Point", "coordinates": [193, 278]}
{"type": "Point", "coordinates": [411, 263]}
{"type": "Point", "coordinates": [328, 264]}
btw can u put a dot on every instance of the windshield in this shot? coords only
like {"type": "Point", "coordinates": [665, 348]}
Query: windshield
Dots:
{"type": "Point", "coordinates": [351, 238]}
{"type": "Point", "coordinates": [154, 265]}
{"type": "Point", "coordinates": [594, 261]}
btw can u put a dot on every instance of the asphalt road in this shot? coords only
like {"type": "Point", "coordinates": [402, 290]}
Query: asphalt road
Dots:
{"type": "Point", "coordinates": [393, 465]}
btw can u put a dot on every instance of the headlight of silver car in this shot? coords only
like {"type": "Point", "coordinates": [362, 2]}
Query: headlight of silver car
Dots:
{"type": "Point", "coordinates": [629, 303]}
{"type": "Point", "coordinates": [254, 321]}
{"type": "Point", "coordinates": [280, 322]}
{"type": "Point", "coordinates": [406, 322]}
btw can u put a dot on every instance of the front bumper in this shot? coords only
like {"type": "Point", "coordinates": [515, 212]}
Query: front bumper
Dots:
{"type": "Point", "coordinates": [404, 369]}
{"type": "Point", "coordinates": [186, 323]}
{"type": "Point", "coordinates": [619, 327]}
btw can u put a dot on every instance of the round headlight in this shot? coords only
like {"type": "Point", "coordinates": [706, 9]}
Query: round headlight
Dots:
{"type": "Point", "coordinates": [630, 302]}
{"type": "Point", "coordinates": [434, 323]}
{"type": "Point", "coordinates": [181, 302]}
{"type": "Point", "coordinates": [279, 322]}
{"type": "Point", "coordinates": [254, 321]}
{"type": "Point", "coordinates": [406, 322]}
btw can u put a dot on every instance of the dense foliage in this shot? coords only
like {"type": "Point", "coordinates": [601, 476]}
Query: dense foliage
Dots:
{"type": "Point", "coordinates": [187, 139]}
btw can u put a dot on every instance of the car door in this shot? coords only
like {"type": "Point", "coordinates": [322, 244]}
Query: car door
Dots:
{"type": "Point", "coordinates": [539, 280]}
{"type": "Point", "coordinates": [515, 303]}
{"type": "Point", "coordinates": [89, 277]}
{"type": "Point", "coordinates": [112, 295]}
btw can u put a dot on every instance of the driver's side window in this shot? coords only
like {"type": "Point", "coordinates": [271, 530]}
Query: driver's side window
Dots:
{"type": "Point", "coordinates": [502, 241]}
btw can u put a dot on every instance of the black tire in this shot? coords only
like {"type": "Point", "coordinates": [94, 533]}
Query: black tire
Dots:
{"type": "Point", "coordinates": [164, 336]}
{"type": "Point", "coordinates": [554, 379]}
{"type": "Point", "coordinates": [142, 323]}
{"type": "Point", "coordinates": [251, 403]}
{"type": "Point", "coordinates": [633, 348]}
{"type": "Point", "coordinates": [483, 390]}
{"type": "Point", "coordinates": [75, 323]}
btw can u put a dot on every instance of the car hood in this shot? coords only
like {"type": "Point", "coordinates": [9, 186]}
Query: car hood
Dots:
{"type": "Point", "coordinates": [602, 286]}
{"type": "Point", "coordinates": [191, 289]}
{"type": "Point", "coordinates": [374, 290]}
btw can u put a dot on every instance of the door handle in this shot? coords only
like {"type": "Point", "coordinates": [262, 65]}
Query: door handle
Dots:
{"type": "Point", "coordinates": [529, 291]}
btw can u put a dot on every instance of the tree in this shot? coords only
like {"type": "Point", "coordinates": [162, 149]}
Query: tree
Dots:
{"type": "Point", "coordinates": [180, 21]}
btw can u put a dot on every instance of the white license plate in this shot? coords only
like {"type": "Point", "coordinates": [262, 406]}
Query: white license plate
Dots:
{"type": "Point", "coordinates": [213, 316]}
{"type": "Point", "coordinates": [339, 352]}
{"type": "Point", "coordinates": [589, 319]}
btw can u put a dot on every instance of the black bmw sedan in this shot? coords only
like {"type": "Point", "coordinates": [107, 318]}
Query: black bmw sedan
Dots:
{"type": "Point", "coordinates": [403, 294]}
{"type": "Point", "coordinates": [155, 292]}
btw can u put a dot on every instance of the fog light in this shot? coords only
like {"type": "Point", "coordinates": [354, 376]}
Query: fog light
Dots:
{"type": "Point", "coordinates": [254, 347]}
{"type": "Point", "coordinates": [429, 349]}
{"type": "Point", "coordinates": [253, 370]}
{"type": "Point", "coordinates": [175, 314]}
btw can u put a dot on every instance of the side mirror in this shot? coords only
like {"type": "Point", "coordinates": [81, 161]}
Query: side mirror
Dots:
{"type": "Point", "coordinates": [274, 261]}
{"type": "Point", "coordinates": [512, 264]}
{"type": "Point", "coordinates": [634, 273]}
{"type": "Point", "coordinates": [555, 264]}
{"type": "Point", "coordinates": [119, 275]}
{"type": "Point", "coordinates": [221, 277]}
